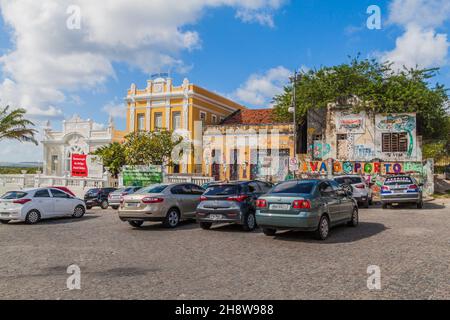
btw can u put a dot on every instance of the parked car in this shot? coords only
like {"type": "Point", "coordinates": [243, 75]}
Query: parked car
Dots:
{"type": "Point", "coordinates": [401, 189]}
{"type": "Point", "coordinates": [98, 197]}
{"type": "Point", "coordinates": [306, 205]}
{"type": "Point", "coordinates": [169, 203]}
{"type": "Point", "coordinates": [115, 196]}
{"type": "Point", "coordinates": [359, 188]}
{"type": "Point", "coordinates": [32, 205]}
{"type": "Point", "coordinates": [231, 202]}
{"type": "Point", "coordinates": [66, 190]}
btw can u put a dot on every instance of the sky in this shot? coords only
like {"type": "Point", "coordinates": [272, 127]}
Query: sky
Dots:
{"type": "Point", "coordinates": [55, 65]}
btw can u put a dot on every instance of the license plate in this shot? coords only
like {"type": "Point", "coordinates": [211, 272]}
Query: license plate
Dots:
{"type": "Point", "coordinates": [277, 206]}
{"type": "Point", "coordinates": [132, 204]}
{"type": "Point", "coordinates": [215, 216]}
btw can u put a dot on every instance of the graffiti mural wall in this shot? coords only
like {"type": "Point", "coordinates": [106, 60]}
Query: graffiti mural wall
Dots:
{"type": "Point", "coordinates": [364, 137]}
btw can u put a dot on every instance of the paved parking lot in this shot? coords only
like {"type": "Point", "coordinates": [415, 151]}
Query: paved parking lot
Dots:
{"type": "Point", "coordinates": [410, 246]}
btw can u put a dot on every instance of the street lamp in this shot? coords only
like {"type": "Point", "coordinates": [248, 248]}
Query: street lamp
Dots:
{"type": "Point", "coordinates": [296, 77]}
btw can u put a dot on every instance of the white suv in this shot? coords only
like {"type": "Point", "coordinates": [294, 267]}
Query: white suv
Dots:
{"type": "Point", "coordinates": [361, 191]}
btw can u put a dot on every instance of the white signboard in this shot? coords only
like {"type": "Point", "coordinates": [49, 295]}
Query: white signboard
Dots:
{"type": "Point", "coordinates": [95, 166]}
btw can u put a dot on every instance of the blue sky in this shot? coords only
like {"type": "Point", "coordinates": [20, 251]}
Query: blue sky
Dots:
{"type": "Point", "coordinates": [242, 57]}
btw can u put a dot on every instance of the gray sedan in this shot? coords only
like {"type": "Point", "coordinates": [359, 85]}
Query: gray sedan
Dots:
{"type": "Point", "coordinates": [168, 203]}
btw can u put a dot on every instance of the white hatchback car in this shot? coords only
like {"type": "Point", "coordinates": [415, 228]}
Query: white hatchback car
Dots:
{"type": "Point", "coordinates": [361, 191]}
{"type": "Point", "coordinates": [32, 205]}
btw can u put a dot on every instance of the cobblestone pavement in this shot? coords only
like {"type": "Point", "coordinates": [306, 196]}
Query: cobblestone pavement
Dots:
{"type": "Point", "coordinates": [118, 262]}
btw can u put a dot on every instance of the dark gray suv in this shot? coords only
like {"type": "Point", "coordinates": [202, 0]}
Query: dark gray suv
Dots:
{"type": "Point", "coordinates": [231, 202]}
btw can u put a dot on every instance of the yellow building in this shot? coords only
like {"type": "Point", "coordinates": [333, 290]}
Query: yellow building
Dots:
{"type": "Point", "coordinates": [177, 108]}
{"type": "Point", "coordinates": [250, 144]}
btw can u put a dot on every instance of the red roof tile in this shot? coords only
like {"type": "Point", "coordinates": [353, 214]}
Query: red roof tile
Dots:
{"type": "Point", "coordinates": [250, 116]}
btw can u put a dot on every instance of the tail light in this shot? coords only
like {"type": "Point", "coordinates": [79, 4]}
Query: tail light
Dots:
{"type": "Point", "coordinates": [239, 198]}
{"type": "Point", "coordinates": [148, 200]}
{"type": "Point", "coordinates": [360, 186]}
{"type": "Point", "coordinates": [413, 186]}
{"type": "Point", "coordinates": [261, 203]}
{"type": "Point", "coordinates": [385, 188]}
{"type": "Point", "coordinates": [203, 198]}
{"type": "Point", "coordinates": [301, 204]}
{"type": "Point", "coordinates": [21, 201]}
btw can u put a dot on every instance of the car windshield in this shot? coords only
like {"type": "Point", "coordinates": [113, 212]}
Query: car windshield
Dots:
{"type": "Point", "coordinates": [12, 195]}
{"type": "Point", "coordinates": [293, 187]}
{"type": "Point", "coordinates": [398, 181]}
{"type": "Point", "coordinates": [222, 190]}
{"type": "Point", "coordinates": [152, 189]}
{"type": "Point", "coordinates": [348, 180]}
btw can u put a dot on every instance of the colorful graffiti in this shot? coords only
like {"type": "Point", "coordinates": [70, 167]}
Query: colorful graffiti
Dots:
{"type": "Point", "coordinates": [319, 150]}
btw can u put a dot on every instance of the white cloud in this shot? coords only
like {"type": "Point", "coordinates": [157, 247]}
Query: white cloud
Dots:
{"type": "Point", "coordinates": [115, 109]}
{"type": "Point", "coordinates": [420, 45]}
{"type": "Point", "coordinates": [259, 89]}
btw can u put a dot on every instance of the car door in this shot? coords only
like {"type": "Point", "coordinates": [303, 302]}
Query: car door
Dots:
{"type": "Point", "coordinates": [181, 194]}
{"type": "Point", "coordinates": [44, 203]}
{"type": "Point", "coordinates": [63, 203]}
{"type": "Point", "coordinates": [346, 202]}
{"type": "Point", "coordinates": [254, 191]}
{"type": "Point", "coordinates": [332, 202]}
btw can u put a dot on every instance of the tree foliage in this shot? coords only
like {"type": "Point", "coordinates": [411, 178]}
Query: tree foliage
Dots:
{"type": "Point", "coordinates": [14, 126]}
{"type": "Point", "coordinates": [142, 147]}
{"type": "Point", "coordinates": [371, 86]}
{"type": "Point", "coordinates": [113, 156]}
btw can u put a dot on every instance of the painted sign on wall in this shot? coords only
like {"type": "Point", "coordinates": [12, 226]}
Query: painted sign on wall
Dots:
{"type": "Point", "coordinates": [141, 176]}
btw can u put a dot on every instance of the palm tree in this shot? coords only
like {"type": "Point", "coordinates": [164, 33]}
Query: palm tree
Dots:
{"type": "Point", "coordinates": [14, 126]}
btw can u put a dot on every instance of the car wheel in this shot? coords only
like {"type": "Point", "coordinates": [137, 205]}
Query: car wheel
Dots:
{"type": "Point", "coordinates": [4, 221]}
{"type": "Point", "coordinates": [172, 218]}
{"type": "Point", "coordinates": [420, 205]}
{"type": "Point", "coordinates": [136, 224]}
{"type": "Point", "coordinates": [78, 212]}
{"type": "Point", "coordinates": [205, 225]}
{"type": "Point", "coordinates": [33, 217]}
{"type": "Point", "coordinates": [249, 222]}
{"type": "Point", "coordinates": [354, 221]}
{"type": "Point", "coordinates": [323, 229]}
{"type": "Point", "coordinates": [115, 207]}
{"type": "Point", "coordinates": [269, 232]}
{"type": "Point", "coordinates": [104, 204]}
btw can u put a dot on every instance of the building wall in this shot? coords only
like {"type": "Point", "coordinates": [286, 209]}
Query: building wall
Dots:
{"type": "Point", "coordinates": [191, 101]}
{"type": "Point", "coordinates": [252, 143]}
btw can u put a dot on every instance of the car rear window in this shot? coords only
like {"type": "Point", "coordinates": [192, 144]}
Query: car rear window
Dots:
{"type": "Point", "coordinates": [92, 191]}
{"type": "Point", "coordinates": [293, 187]}
{"type": "Point", "coordinates": [398, 180]}
{"type": "Point", "coordinates": [14, 195]}
{"type": "Point", "coordinates": [153, 189]}
{"type": "Point", "coordinates": [348, 180]}
{"type": "Point", "coordinates": [222, 190]}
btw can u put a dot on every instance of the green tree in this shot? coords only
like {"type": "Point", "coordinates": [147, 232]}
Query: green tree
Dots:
{"type": "Point", "coordinates": [143, 148]}
{"type": "Point", "coordinates": [113, 156]}
{"type": "Point", "coordinates": [13, 126]}
{"type": "Point", "coordinates": [371, 86]}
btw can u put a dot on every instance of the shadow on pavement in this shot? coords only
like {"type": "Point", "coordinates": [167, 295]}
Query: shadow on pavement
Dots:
{"type": "Point", "coordinates": [158, 226]}
{"type": "Point", "coordinates": [231, 227]}
{"type": "Point", "coordinates": [340, 234]}
{"type": "Point", "coordinates": [58, 220]}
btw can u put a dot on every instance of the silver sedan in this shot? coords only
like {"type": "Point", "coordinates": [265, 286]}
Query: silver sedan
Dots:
{"type": "Point", "coordinates": [168, 203]}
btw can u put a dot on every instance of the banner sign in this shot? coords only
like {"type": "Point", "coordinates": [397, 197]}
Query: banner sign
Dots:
{"type": "Point", "coordinates": [79, 166]}
{"type": "Point", "coordinates": [95, 166]}
{"type": "Point", "coordinates": [354, 167]}
{"type": "Point", "coordinates": [141, 176]}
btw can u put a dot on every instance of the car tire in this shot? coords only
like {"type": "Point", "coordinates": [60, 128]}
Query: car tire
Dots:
{"type": "Point", "coordinates": [323, 229]}
{"type": "Point", "coordinates": [136, 223]}
{"type": "Point", "coordinates": [205, 225]}
{"type": "Point", "coordinates": [104, 204]}
{"type": "Point", "coordinates": [88, 207]}
{"type": "Point", "coordinates": [78, 212]}
{"type": "Point", "coordinates": [172, 218]}
{"type": "Point", "coordinates": [33, 217]}
{"type": "Point", "coordinates": [249, 222]}
{"type": "Point", "coordinates": [420, 205]}
{"type": "Point", "coordinates": [4, 221]}
{"type": "Point", "coordinates": [269, 231]}
{"type": "Point", "coordinates": [115, 207]}
{"type": "Point", "coordinates": [354, 220]}
{"type": "Point", "coordinates": [370, 201]}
